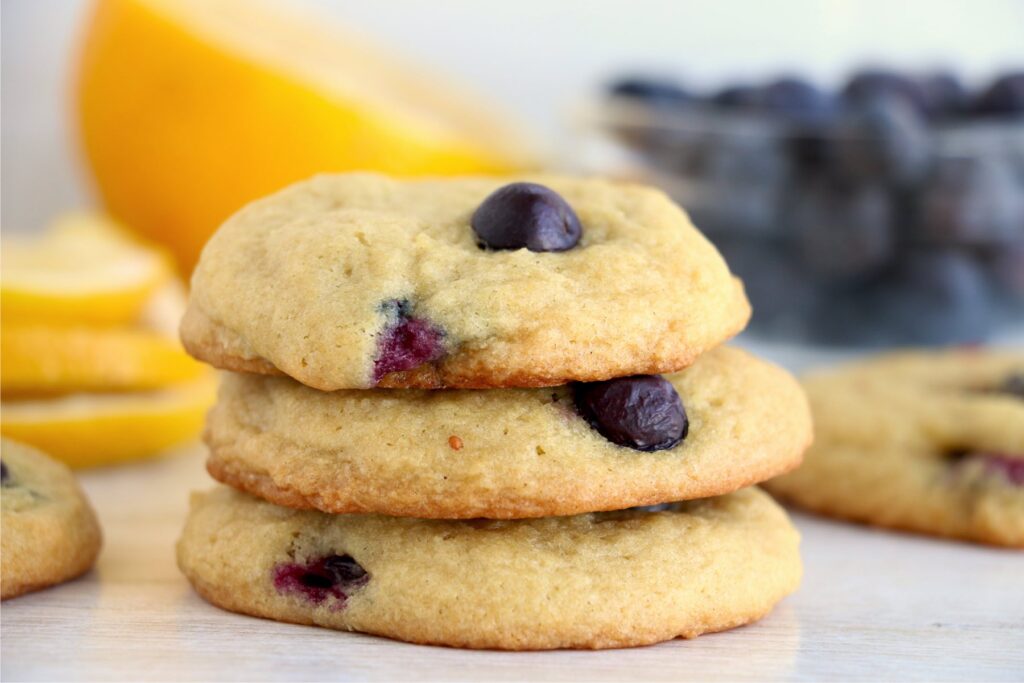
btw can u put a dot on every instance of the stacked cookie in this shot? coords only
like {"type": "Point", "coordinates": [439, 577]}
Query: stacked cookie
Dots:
{"type": "Point", "coordinates": [444, 423]}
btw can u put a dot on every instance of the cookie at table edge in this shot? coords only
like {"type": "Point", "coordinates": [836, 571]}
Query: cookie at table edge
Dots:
{"type": "Point", "coordinates": [924, 441]}
{"type": "Point", "coordinates": [50, 532]}
{"type": "Point", "coordinates": [601, 580]}
{"type": "Point", "coordinates": [309, 282]}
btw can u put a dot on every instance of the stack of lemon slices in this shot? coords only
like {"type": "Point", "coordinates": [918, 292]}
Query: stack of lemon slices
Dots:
{"type": "Point", "coordinates": [91, 370]}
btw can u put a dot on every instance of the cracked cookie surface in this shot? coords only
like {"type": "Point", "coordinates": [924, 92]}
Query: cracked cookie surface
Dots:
{"type": "Point", "coordinates": [612, 579]}
{"type": "Point", "coordinates": [354, 281]}
{"type": "Point", "coordinates": [931, 442]}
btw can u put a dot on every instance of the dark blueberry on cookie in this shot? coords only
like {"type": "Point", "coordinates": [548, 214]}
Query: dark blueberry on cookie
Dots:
{"type": "Point", "coordinates": [643, 412]}
{"type": "Point", "coordinates": [406, 342]}
{"type": "Point", "coordinates": [335, 576]}
{"type": "Point", "coordinates": [4, 474]}
{"type": "Point", "coordinates": [661, 507]}
{"type": "Point", "coordinates": [526, 215]}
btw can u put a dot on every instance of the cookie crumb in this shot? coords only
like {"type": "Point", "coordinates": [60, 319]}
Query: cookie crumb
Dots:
{"type": "Point", "coordinates": [455, 442]}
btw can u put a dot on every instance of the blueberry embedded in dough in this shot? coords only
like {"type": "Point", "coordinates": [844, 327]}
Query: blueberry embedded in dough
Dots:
{"type": "Point", "coordinates": [407, 341]}
{"type": "Point", "coordinates": [5, 475]}
{"type": "Point", "coordinates": [335, 576]}
{"type": "Point", "coordinates": [643, 412]}
{"type": "Point", "coordinates": [526, 215]}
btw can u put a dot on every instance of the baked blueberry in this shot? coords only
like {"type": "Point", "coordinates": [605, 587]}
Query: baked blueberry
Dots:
{"type": "Point", "coordinates": [406, 342]}
{"type": "Point", "coordinates": [1005, 465]}
{"type": "Point", "coordinates": [336, 576]}
{"type": "Point", "coordinates": [4, 474]}
{"type": "Point", "coordinates": [526, 215]}
{"type": "Point", "coordinates": [642, 412]}
{"type": "Point", "coordinates": [661, 507]}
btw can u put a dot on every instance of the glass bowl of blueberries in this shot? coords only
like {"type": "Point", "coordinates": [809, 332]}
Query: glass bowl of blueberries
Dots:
{"type": "Point", "coordinates": [888, 211]}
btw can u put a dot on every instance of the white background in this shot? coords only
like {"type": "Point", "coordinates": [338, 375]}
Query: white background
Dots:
{"type": "Point", "coordinates": [535, 57]}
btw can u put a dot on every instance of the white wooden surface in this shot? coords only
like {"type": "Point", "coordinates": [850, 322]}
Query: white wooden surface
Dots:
{"type": "Point", "coordinates": [873, 605]}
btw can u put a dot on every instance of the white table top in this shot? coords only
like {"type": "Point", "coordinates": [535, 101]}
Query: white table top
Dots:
{"type": "Point", "coordinates": [873, 604]}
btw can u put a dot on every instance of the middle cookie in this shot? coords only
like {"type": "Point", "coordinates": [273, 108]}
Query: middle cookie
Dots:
{"type": "Point", "coordinates": [509, 453]}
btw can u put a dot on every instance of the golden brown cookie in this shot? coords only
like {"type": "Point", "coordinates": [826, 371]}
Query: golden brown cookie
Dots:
{"type": "Point", "coordinates": [355, 281]}
{"type": "Point", "coordinates": [502, 453]}
{"type": "Point", "coordinates": [50, 533]}
{"type": "Point", "coordinates": [612, 579]}
{"type": "Point", "coordinates": [928, 441]}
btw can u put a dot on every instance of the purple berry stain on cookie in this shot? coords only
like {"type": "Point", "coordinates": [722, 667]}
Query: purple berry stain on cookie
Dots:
{"type": "Point", "coordinates": [1008, 466]}
{"type": "Point", "coordinates": [406, 342]}
{"type": "Point", "coordinates": [642, 412]}
{"type": "Point", "coordinates": [526, 215]}
{"type": "Point", "coordinates": [336, 576]}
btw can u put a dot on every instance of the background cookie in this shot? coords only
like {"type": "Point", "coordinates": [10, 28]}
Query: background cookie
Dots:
{"type": "Point", "coordinates": [591, 581]}
{"type": "Point", "coordinates": [50, 533]}
{"type": "Point", "coordinates": [504, 453]}
{"type": "Point", "coordinates": [349, 281]}
{"type": "Point", "coordinates": [929, 442]}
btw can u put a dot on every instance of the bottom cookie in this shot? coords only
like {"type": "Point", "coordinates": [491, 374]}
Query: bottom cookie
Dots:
{"type": "Point", "coordinates": [50, 534]}
{"type": "Point", "coordinates": [599, 580]}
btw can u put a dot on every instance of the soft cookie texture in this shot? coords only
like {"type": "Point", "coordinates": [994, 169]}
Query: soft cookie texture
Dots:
{"type": "Point", "coordinates": [931, 442]}
{"type": "Point", "coordinates": [503, 453]}
{"type": "Point", "coordinates": [355, 281]}
{"type": "Point", "coordinates": [612, 579]}
{"type": "Point", "coordinates": [50, 533]}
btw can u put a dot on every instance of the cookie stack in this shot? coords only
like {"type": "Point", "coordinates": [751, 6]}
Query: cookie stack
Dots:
{"type": "Point", "coordinates": [444, 422]}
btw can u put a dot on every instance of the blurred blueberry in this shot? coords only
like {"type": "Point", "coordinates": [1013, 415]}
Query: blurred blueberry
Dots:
{"type": "Point", "coordinates": [933, 298]}
{"type": "Point", "coordinates": [937, 297]}
{"type": "Point", "coordinates": [649, 90]}
{"type": "Point", "coordinates": [945, 97]}
{"type": "Point", "coordinates": [871, 83]}
{"type": "Point", "coordinates": [1003, 97]}
{"type": "Point", "coordinates": [779, 292]}
{"type": "Point", "coordinates": [972, 200]}
{"type": "Point", "coordinates": [843, 234]}
{"type": "Point", "coordinates": [743, 179]}
{"type": "Point", "coordinates": [1006, 264]}
{"type": "Point", "coordinates": [737, 97]}
{"type": "Point", "coordinates": [795, 99]}
{"type": "Point", "coordinates": [882, 139]}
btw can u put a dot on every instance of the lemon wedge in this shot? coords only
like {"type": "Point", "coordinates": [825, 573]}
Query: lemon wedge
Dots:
{"type": "Point", "coordinates": [86, 430]}
{"type": "Point", "coordinates": [85, 269]}
{"type": "Point", "coordinates": [44, 360]}
{"type": "Point", "coordinates": [188, 109]}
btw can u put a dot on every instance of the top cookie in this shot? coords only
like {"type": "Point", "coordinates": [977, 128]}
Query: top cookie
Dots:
{"type": "Point", "coordinates": [355, 281]}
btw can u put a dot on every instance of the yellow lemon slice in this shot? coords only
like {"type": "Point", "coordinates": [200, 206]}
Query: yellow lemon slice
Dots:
{"type": "Point", "coordinates": [83, 270]}
{"type": "Point", "coordinates": [85, 430]}
{"type": "Point", "coordinates": [188, 109]}
{"type": "Point", "coordinates": [40, 359]}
